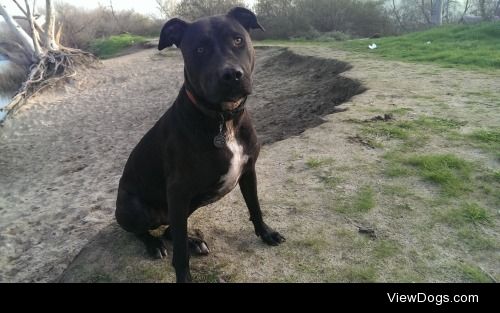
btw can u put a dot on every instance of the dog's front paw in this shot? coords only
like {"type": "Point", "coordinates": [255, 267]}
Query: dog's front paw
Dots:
{"type": "Point", "coordinates": [271, 237]}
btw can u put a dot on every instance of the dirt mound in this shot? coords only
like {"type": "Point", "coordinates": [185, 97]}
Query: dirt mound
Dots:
{"type": "Point", "coordinates": [293, 93]}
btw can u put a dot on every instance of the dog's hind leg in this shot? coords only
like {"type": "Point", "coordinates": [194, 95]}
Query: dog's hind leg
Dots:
{"type": "Point", "coordinates": [134, 216]}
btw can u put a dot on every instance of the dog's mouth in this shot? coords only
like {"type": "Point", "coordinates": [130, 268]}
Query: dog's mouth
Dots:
{"type": "Point", "coordinates": [232, 104]}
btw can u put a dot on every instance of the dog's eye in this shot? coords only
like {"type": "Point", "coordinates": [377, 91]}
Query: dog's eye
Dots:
{"type": "Point", "coordinates": [238, 41]}
{"type": "Point", "coordinates": [200, 50]}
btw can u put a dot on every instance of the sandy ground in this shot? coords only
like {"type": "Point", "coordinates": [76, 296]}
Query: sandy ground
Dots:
{"type": "Point", "coordinates": [62, 156]}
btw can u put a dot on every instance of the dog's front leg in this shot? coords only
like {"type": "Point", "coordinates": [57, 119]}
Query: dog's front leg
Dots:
{"type": "Point", "coordinates": [248, 186]}
{"type": "Point", "coordinates": [178, 207]}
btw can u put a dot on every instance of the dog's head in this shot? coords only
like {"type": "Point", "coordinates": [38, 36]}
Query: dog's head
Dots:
{"type": "Point", "coordinates": [218, 54]}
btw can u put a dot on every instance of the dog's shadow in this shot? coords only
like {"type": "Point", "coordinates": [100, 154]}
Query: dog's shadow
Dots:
{"type": "Point", "coordinates": [115, 256]}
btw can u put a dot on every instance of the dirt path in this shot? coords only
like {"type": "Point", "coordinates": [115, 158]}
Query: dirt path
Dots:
{"type": "Point", "coordinates": [62, 157]}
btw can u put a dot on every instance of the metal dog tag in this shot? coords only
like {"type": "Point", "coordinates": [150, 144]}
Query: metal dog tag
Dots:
{"type": "Point", "coordinates": [220, 141]}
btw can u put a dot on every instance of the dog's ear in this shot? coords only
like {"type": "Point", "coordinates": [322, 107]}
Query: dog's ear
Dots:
{"type": "Point", "coordinates": [246, 18]}
{"type": "Point", "coordinates": [172, 33]}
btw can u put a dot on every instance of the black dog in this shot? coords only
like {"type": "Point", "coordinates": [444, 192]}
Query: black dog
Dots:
{"type": "Point", "coordinates": [203, 146]}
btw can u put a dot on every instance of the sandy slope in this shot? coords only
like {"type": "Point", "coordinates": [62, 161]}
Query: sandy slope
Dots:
{"type": "Point", "coordinates": [62, 156]}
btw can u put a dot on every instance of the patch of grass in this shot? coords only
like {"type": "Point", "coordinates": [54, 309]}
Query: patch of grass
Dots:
{"type": "Point", "coordinates": [329, 181]}
{"type": "Point", "coordinates": [473, 273]}
{"type": "Point", "coordinates": [462, 46]}
{"type": "Point", "coordinates": [413, 132]}
{"type": "Point", "coordinates": [316, 245]}
{"type": "Point", "coordinates": [448, 171]}
{"type": "Point", "coordinates": [359, 274]}
{"type": "Point", "coordinates": [385, 249]}
{"type": "Point", "coordinates": [496, 176]}
{"type": "Point", "coordinates": [397, 170]}
{"type": "Point", "coordinates": [209, 273]}
{"type": "Point", "coordinates": [109, 47]}
{"type": "Point", "coordinates": [475, 214]}
{"type": "Point", "coordinates": [469, 213]}
{"type": "Point", "coordinates": [439, 124]}
{"type": "Point", "coordinates": [488, 140]}
{"type": "Point", "coordinates": [148, 273]}
{"type": "Point", "coordinates": [314, 163]}
{"type": "Point", "coordinates": [388, 130]}
{"type": "Point", "coordinates": [365, 200]}
{"type": "Point", "coordinates": [487, 136]}
{"type": "Point", "coordinates": [476, 240]}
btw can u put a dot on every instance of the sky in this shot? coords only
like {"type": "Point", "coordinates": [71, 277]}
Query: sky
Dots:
{"type": "Point", "coordinates": [147, 7]}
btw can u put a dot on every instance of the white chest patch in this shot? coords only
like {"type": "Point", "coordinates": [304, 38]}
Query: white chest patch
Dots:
{"type": "Point", "coordinates": [237, 162]}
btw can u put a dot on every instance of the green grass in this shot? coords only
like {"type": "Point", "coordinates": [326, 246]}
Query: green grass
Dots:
{"type": "Point", "coordinates": [461, 46]}
{"type": "Point", "coordinates": [468, 213]}
{"type": "Point", "coordinates": [447, 171]}
{"type": "Point", "coordinates": [359, 274]}
{"type": "Point", "coordinates": [385, 249]}
{"type": "Point", "coordinates": [487, 136]}
{"type": "Point", "coordinates": [475, 214]}
{"type": "Point", "coordinates": [474, 274]}
{"type": "Point", "coordinates": [465, 46]}
{"type": "Point", "coordinates": [362, 202]}
{"type": "Point", "coordinates": [395, 169]}
{"type": "Point", "coordinates": [487, 140]}
{"type": "Point", "coordinates": [388, 130]}
{"type": "Point", "coordinates": [316, 245]}
{"type": "Point", "coordinates": [365, 200]}
{"type": "Point", "coordinates": [314, 163]}
{"type": "Point", "coordinates": [476, 240]}
{"type": "Point", "coordinates": [109, 47]}
{"type": "Point", "coordinates": [414, 132]}
{"type": "Point", "coordinates": [496, 176]}
{"type": "Point", "coordinates": [439, 124]}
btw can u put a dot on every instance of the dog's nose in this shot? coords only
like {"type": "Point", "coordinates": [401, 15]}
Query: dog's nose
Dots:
{"type": "Point", "coordinates": [232, 74]}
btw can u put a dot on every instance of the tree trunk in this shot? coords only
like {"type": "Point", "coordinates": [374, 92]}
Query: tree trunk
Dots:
{"type": "Point", "coordinates": [424, 12]}
{"type": "Point", "coordinates": [482, 9]}
{"type": "Point", "coordinates": [50, 24]}
{"type": "Point", "coordinates": [437, 12]}
{"type": "Point", "coordinates": [17, 30]}
{"type": "Point", "coordinates": [35, 37]}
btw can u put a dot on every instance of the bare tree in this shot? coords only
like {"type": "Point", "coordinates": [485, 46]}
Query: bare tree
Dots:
{"type": "Point", "coordinates": [437, 12]}
{"type": "Point", "coordinates": [166, 8]}
{"type": "Point", "coordinates": [17, 30]}
{"type": "Point", "coordinates": [396, 14]}
{"type": "Point", "coordinates": [193, 9]}
{"type": "Point", "coordinates": [34, 33]}
{"type": "Point", "coordinates": [52, 62]}
{"type": "Point", "coordinates": [424, 10]}
{"type": "Point", "coordinates": [50, 25]}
